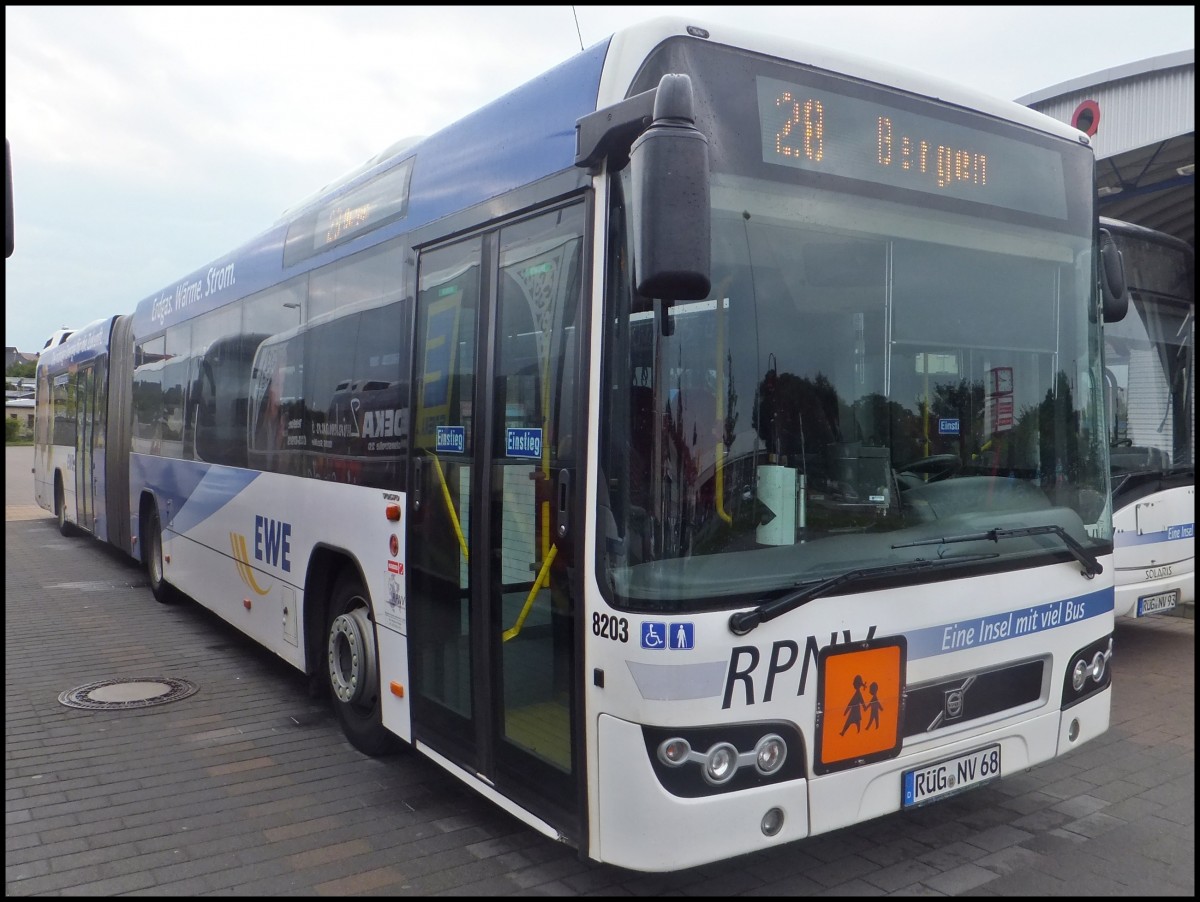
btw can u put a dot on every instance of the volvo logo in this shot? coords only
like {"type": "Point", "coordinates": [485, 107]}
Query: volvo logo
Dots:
{"type": "Point", "coordinates": [954, 703]}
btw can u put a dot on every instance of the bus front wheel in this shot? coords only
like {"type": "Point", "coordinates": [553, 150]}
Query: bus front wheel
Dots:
{"type": "Point", "coordinates": [352, 669]}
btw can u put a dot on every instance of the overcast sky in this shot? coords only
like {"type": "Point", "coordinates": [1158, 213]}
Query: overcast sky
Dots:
{"type": "Point", "coordinates": [149, 141]}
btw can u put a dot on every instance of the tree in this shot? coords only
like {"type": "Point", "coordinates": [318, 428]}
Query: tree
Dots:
{"type": "Point", "coordinates": [22, 369]}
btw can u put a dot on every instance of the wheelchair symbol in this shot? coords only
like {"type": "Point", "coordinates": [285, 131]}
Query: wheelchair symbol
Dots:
{"type": "Point", "coordinates": [654, 635]}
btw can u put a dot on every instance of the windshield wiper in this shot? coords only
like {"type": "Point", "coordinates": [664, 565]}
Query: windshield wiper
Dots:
{"type": "Point", "coordinates": [1091, 566]}
{"type": "Point", "coordinates": [744, 621]}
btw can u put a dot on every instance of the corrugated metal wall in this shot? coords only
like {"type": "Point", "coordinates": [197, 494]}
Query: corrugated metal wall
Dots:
{"type": "Point", "coordinates": [1134, 111]}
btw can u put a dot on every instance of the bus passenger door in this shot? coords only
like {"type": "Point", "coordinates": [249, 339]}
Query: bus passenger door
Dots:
{"type": "Point", "coordinates": [85, 419]}
{"type": "Point", "coordinates": [442, 620]}
{"type": "Point", "coordinates": [491, 597]}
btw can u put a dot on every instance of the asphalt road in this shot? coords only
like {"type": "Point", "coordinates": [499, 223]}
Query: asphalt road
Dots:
{"type": "Point", "coordinates": [247, 787]}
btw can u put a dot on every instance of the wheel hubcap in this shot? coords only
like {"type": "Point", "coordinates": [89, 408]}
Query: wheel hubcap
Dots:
{"type": "Point", "coordinates": [351, 667]}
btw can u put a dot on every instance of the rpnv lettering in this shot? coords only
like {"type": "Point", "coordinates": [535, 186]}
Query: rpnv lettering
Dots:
{"type": "Point", "coordinates": [744, 660]}
{"type": "Point", "coordinates": [273, 542]}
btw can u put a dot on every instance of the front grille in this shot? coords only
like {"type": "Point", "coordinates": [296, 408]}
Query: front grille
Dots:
{"type": "Point", "coordinates": [970, 696]}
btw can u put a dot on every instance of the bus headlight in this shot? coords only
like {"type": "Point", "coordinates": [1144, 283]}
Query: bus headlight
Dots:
{"type": "Point", "coordinates": [721, 763]}
{"type": "Point", "coordinates": [770, 754]}
{"type": "Point", "coordinates": [1088, 672]}
{"type": "Point", "coordinates": [694, 762]}
{"type": "Point", "coordinates": [1079, 675]}
{"type": "Point", "coordinates": [674, 751]}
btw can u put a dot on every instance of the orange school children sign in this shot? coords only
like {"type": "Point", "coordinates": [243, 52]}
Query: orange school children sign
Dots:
{"type": "Point", "coordinates": [861, 689]}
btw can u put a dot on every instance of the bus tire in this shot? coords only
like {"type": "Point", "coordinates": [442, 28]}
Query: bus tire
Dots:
{"type": "Point", "coordinates": [164, 592]}
{"type": "Point", "coordinates": [60, 509]}
{"type": "Point", "coordinates": [352, 669]}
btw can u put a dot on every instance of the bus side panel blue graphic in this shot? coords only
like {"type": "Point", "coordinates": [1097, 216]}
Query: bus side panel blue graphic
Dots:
{"type": "Point", "coordinates": [194, 491]}
{"type": "Point", "coordinates": [974, 632]}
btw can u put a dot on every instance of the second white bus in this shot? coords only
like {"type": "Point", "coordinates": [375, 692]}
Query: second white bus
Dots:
{"type": "Point", "coordinates": [1150, 381]}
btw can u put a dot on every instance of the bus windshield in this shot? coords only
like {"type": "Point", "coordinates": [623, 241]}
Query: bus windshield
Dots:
{"type": "Point", "coordinates": [879, 363]}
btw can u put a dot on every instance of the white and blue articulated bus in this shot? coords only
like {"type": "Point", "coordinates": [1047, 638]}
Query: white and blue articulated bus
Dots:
{"type": "Point", "coordinates": [700, 448]}
{"type": "Point", "coordinates": [1150, 380]}
{"type": "Point", "coordinates": [81, 430]}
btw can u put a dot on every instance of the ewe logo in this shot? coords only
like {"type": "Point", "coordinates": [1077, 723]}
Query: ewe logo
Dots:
{"type": "Point", "coordinates": [272, 545]}
{"type": "Point", "coordinates": [245, 571]}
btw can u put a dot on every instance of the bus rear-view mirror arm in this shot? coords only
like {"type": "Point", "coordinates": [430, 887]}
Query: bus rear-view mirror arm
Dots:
{"type": "Point", "coordinates": [669, 212]}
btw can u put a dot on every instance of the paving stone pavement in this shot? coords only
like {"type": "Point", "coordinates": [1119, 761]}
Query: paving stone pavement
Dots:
{"type": "Point", "coordinates": [248, 788]}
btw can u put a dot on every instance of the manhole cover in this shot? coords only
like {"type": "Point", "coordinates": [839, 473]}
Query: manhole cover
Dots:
{"type": "Point", "coordinates": [136, 692]}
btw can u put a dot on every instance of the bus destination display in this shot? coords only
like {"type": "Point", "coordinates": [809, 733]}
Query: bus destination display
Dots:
{"type": "Point", "coordinates": [824, 131]}
{"type": "Point", "coordinates": [381, 199]}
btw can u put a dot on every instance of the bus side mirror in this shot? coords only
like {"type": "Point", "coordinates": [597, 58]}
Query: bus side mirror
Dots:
{"type": "Point", "coordinates": [1114, 296]}
{"type": "Point", "coordinates": [670, 214]}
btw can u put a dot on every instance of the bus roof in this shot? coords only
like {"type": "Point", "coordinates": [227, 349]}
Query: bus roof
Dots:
{"type": "Point", "coordinates": [631, 45]}
{"type": "Point", "coordinates": [526, 135]}
{"type": "Point", "coordinates": [80, 346]}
